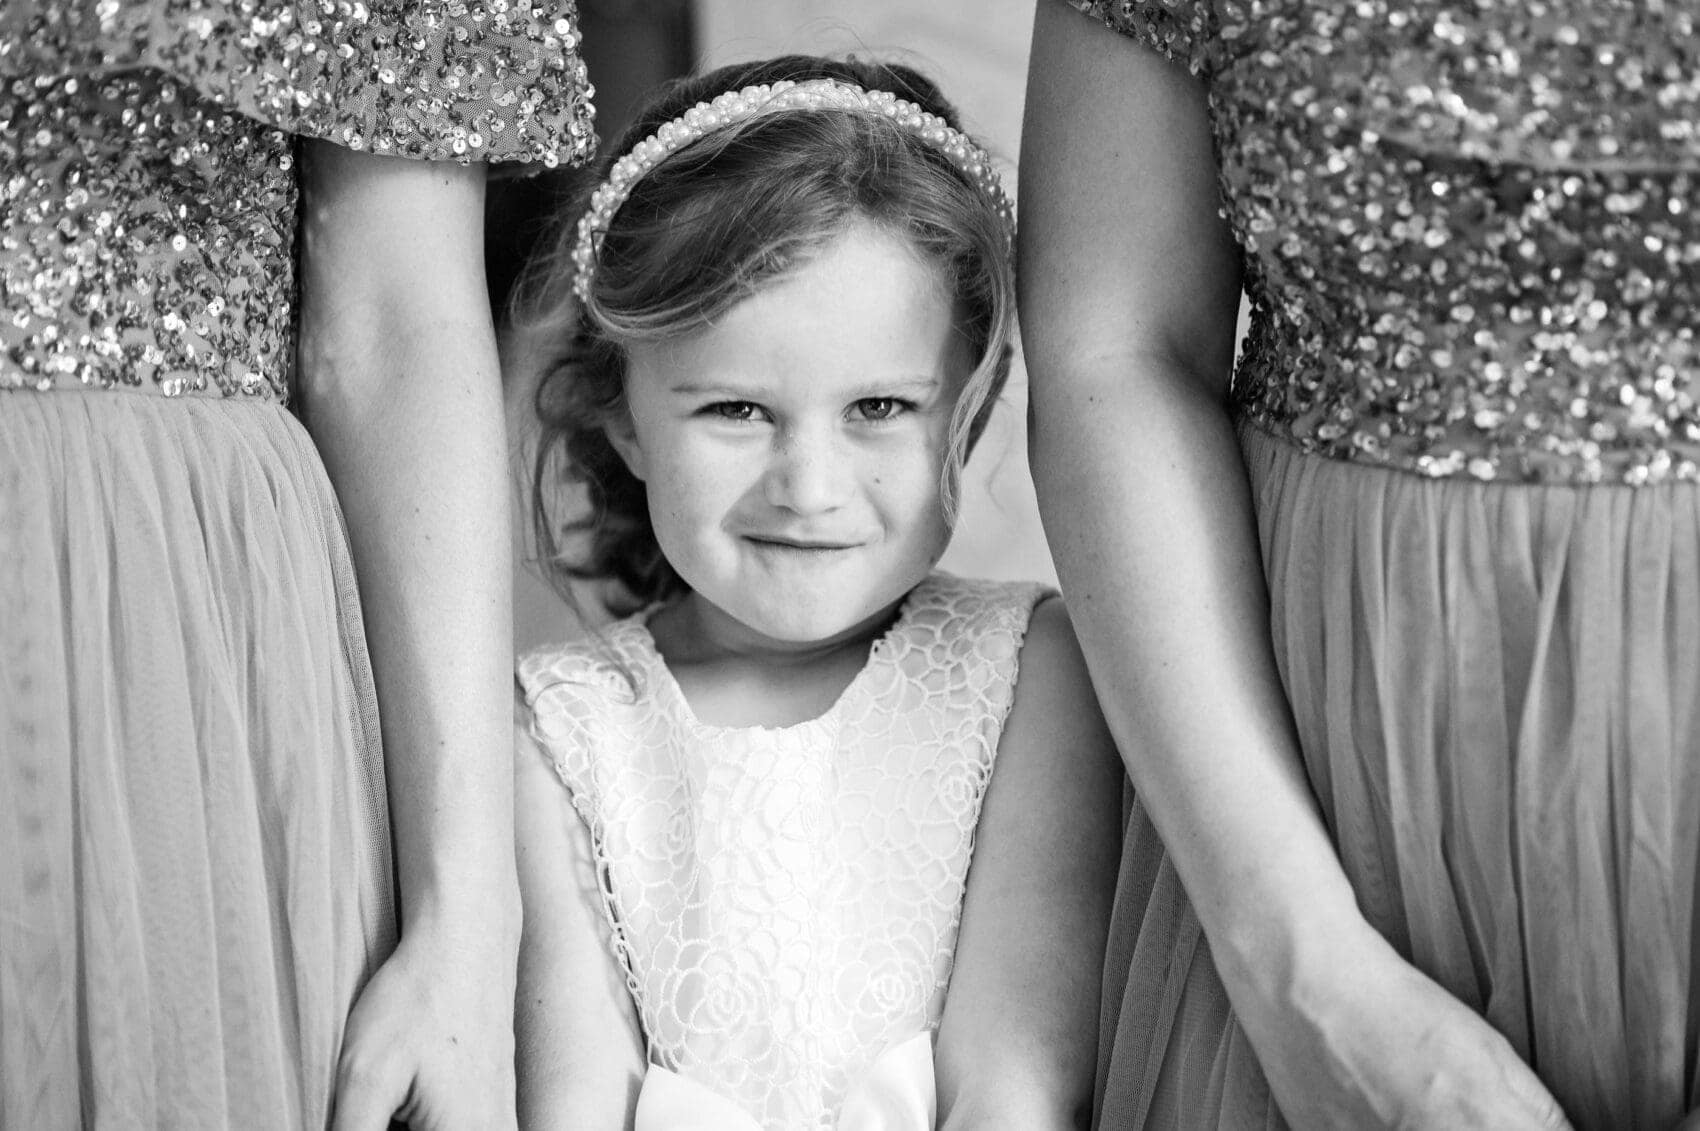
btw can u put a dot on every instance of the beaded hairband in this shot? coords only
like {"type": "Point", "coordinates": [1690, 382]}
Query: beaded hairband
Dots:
{"type": "Point", "coordinates": [759, 101]}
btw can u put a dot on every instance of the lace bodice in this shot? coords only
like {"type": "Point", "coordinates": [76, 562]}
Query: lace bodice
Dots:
{"type": "Point", "coordinates": [785, 901]}
{"type": "Point", "coordinates": [1471, 236]}
{"type": "Point", "coordinates": [147, 210]}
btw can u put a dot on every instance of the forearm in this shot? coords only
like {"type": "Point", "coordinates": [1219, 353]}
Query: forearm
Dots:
{"type": "Point", "coordinates": [579, 1045]}
{"type": "Point", "coordinates": [1008, 1101]}
{"type": "Point", "coordinates": [1023, 1056]}
{"type": "Point", "coordinates": [1017, 1047]}
{"type": "Point", "coordinates": [579, 1058]}
{"type": "Point", "coordinates": [1151, 523]}
{"type": "Point", "coordinates": [1149, 513]}
{"type": "Point", "coordinates": [400, 388]}
{"type": "Point", "coordinates": [417, 460]}
{"type": "Point", "coordinates": [540, 1048]}
{"type": "Point", "coordinates": [556, 1075]}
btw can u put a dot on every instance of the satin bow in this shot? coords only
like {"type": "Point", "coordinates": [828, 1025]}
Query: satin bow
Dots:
{"type": "Point", "coordinates": [894, 1094]}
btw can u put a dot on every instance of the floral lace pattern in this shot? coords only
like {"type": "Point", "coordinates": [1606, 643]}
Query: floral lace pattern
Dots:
{"type": "Point", "coordinates": [785, 901]}
{"type": "Point", "coordinates": [147, 210]}
{"type": "Point", "coordinates": [1471, 243]}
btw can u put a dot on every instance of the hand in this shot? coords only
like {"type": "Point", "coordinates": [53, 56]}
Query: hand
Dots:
{"type": "Point", "coordinates": [1370, 1041]}
{"type": "Point", "coordinates": [430, 1041]}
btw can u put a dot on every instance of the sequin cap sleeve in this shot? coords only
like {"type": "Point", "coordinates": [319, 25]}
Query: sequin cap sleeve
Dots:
{"type": "Point", "coordinates": [493, 80]}
{"type": "Point", "coordinates": [1177, 29]}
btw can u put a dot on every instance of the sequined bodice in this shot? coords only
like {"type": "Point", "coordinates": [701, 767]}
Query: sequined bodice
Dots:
{"type": "Point", "coordinates": [785, 901]}
{"type": "Point", "coordinates": [1470, 231]}
{"type": "Point", "coordinates": [147, 211]}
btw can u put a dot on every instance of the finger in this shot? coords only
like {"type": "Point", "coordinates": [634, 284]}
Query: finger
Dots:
{"type": "Point", "coordinates": [367, 1097]}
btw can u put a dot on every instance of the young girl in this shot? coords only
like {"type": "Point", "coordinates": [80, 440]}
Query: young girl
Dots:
{"type": "Point", "coordinates": [747, 811]}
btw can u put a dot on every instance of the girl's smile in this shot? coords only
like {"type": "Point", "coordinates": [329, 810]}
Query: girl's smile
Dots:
{"type": "Point", "coordinates": [801, 546]}
{"type": "Point", "coordinates": [792, 452]}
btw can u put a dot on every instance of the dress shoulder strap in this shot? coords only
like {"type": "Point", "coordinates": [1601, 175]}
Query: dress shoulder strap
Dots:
{"type": "Point", "coordinates": [957, 645]}
{"type": "Point", "coordinates": [580, 695]}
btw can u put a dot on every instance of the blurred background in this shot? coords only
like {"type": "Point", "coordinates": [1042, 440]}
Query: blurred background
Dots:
{"type": "Point", "coordinates": [976, 50]}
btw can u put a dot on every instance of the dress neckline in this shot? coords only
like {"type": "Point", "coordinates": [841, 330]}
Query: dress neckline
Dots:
{"type": "Point", "coordinates": [669, 691]}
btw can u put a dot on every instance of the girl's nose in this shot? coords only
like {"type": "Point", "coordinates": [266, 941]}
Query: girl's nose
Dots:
{"type": "Point", "coordinates": [809, 474]}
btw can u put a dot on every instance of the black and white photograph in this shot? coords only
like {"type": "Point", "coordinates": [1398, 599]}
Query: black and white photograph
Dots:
{"type": "Point", "coordinates": [774, 565]}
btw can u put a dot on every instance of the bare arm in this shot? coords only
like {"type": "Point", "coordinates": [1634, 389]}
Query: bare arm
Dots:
{"type": "Point", "coordinates": [1130, 286]}
{"type": "Point", "coordinates": [1017, 1046]}
{"type": "Point", "coordinates": [1129, 291]}
{"type": "Point", "coordinates": [399, 388]}
{"type": "Point", "coordinates": [581, 1053]}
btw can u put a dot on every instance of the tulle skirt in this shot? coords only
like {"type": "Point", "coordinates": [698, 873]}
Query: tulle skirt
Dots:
{"type": "Point", "coordinates": [195, 871]}
{"type": "Point", "coordinates": [1497, 691]}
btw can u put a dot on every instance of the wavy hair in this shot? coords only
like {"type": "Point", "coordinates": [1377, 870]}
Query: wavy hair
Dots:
{"type": "Point", "coordinates": [707, 228]}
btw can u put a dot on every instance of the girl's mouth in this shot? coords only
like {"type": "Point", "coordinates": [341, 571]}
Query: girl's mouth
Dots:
{"type": "Point", "coordinates": [807, 545]}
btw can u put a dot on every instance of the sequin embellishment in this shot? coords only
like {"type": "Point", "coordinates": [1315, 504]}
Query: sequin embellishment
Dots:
{"type": "Point", "coordinates": [1470, 237]}
{"type": "Point", "coordinates": [147, 206]}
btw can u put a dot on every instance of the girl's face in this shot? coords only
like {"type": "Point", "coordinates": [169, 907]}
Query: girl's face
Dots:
{"type": "Point", "coordinates": [792, 451]}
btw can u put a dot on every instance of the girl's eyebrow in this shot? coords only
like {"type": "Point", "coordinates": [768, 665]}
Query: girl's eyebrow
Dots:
{"type": "Point", "coordinates": [691, 388]}
{"type": "Point", "coordinates": [920, 389]}
{"type": "Point", "coordinates": [907, 383]}
{"type": "Point", "coordinates": [913, 385]}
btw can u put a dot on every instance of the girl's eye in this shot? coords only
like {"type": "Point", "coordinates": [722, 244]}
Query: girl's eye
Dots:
{"type": "Point", "coordinates": [881, 408]}
{"type": "Point", "coordinates": [735, 410]}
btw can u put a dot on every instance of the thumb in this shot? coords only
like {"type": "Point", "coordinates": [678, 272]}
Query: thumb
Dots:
{"type": "Point", "coordinates": [1547, 1112]}
{"type": "Point", "coordinates": [1541, 1105]}
{"type": "Point", "coordinates": [368, 1096]}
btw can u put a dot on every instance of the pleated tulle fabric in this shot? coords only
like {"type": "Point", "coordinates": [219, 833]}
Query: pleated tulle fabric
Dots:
{"type": "Point", "coordinates": [1170, 1053]}
{"type": "Point", "coordinates": [194, 865]}
{"type": "Point", "coordinates": [1497, 691]}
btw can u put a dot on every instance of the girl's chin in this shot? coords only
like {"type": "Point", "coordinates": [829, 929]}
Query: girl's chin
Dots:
{"type": "Point", "coordinates": [799, 623]}
{"type": "Point", "coordinates": [801, 629]}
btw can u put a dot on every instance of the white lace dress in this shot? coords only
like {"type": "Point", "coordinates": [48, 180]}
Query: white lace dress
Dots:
{"type": "Point", "coordinates": [784, 901]}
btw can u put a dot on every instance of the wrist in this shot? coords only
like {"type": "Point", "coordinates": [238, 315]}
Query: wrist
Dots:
{"type": "Point", "coordinates": [468, 905]}
{"type": "Point", "coordinates": [1273, 955]}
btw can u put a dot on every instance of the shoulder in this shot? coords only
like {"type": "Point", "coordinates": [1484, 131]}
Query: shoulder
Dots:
{"type": "Point", "coordinates": [566, 688]}
{"type": "Point", "coordinates": [604, 657]}
{"type": "Point", "coordinates": [957, 605]}
{"type": "Point", "coordinates": [1053, 669]}
{"type": "Point", "coordinates": [586, 707]}
{"type": "Point", "coordinates": [1054, 720]}
{"type": "Point", "coordinates": [963, 639]}
{"type": "Point", "coordinates": [1053, 688]}
{"type": "Point", "coordinates": [582, 660]}
{"type": "Point", "coordinates": [1050, 632]}
{"type": "Point", "coordinates": [973, 619]}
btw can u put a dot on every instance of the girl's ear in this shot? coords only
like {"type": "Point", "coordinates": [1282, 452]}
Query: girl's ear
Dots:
{"type": "Point", "coordinates": [623, 436]}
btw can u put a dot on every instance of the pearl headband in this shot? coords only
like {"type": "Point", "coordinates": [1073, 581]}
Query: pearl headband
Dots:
{"type": "Point", "coordinates": [756, 102]}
